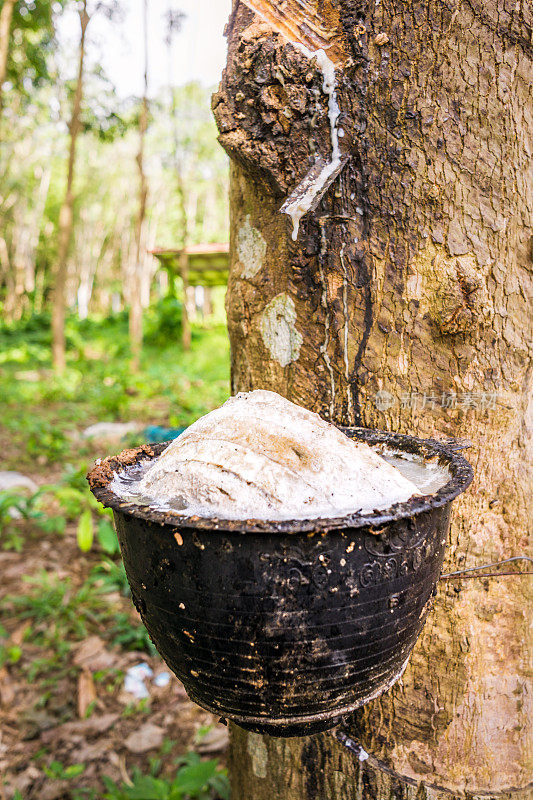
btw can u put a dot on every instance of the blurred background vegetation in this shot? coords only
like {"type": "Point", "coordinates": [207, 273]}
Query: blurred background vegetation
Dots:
{"type": "Point", "coordinates": [93, 359]}
{"type": "Point", "coordinates": [90, 180]}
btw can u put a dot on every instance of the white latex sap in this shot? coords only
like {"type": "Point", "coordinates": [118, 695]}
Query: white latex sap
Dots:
{"type": "Point", "coordinates": [300, 207]}
{"type": "Point", "coordinates": [260, 456]}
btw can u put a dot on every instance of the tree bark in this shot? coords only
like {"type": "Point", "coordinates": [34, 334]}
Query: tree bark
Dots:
{"type": "Point", "coordinates": [6, 15]}
{"type": "Point", "coordinates": [405, 304]}
{"type": "Point", "coordinates": [66, 213]}
{"type": "Point", "coordinates": [135, 318]}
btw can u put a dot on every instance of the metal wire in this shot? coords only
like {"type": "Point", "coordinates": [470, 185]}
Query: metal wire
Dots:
{"type": "Point", "coordinates": [463, 572]}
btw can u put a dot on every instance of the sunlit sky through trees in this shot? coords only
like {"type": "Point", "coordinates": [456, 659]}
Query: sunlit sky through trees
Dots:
{"type": "Point", "coordinates": [199, 50]}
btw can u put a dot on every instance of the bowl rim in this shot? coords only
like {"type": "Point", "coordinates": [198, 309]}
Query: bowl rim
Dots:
{"type": "Point", "coordinates": [447, 453]}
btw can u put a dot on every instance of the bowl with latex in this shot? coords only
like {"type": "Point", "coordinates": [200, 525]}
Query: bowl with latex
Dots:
{"type": "Point", "coordinates": [283, 599]}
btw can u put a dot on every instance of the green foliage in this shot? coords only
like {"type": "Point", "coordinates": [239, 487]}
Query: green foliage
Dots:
{"type": "Point", "coordinates": [76, 503]}
{"type": "Point", "coordinates": [51, 600]}
{"type": "Point", "coordinates": [163, 323]}
{"type": "Point", "coordinates": [110, 577]}
{"type": "Point", "coordinates": [194, 780]}
{"type": "Point", "coordinates": [57, 771]}
{"type": "Point", "coordinates": [32, 180]}
{"type": "Point", "coordinates": [14, 505]}
{"type": "Point", "coordinates": [42, 436]}
{"type": "Point", "coordinates": [32, 39]}
{"type": "Point", "coordinates": [103, 114]}
{"type": "Point", "coordinates": [107, 537]}
{"type": "Point", "coordinates": [9, 655]}
{"type": "Point", "coordinates": [58, 616]}
{"type": "Point", "coordinates": [141, 706]}
{"type": "Point", "coordinates": [112, 678]}
{"type": "Point", "coordinates": [85, 531]}
{"type": "Point", "coordinates": [129, 636]}
{"type": "Point", "coordinates": [43, 413]}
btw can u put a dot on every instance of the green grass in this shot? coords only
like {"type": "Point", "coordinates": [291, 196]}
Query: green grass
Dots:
{"type": "Point", "coordinates": [43, 411]}
{"type": "Point", "coordinates": [51, 600]}
{"type": "Point", "coordinates": [42, 417]}
{"type": "Point", "coordinates": [59, 616]}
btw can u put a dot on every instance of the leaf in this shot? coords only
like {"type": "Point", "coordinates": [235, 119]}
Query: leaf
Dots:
{"type": "Point", "coordinates": [9, 655]}
{"type": "Point", "coordinates": [74, 770]}
{"type": "Point", "coordinates": [192, 778]}
{"type": "Point", "coordinates": [71, 500]}
{"type": "Point", "coordinates": [14, 653]}
{"type": "Point", "coordinates": [52, 524]}
{"type": "Point", "coordinates": [85, 531]}
{"type": "Point", "coordinates": [54, 769]}
{"type": "Point", "coordinates": [220, 784]}
{"type": "Point", "coordinates": [147, 788]}
{"type": "Point", "coordinates": [107, 538]}
{"type": "Point", "coordinates": [143, 788]}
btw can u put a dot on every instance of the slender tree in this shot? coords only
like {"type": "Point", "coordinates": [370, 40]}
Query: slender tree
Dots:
{"type": "Point", "coordinates": [6, 14]}
{"type": "Point", "coordinates": [404, 303]}
{"type": "Point", "coordinates": [66, 214]}
{"type": "Point", "coordinates": [27, 39]}
{"type": "Point", "coordinates": [135, 318]}
{"type": "Point", "coordinates": [174, 24]}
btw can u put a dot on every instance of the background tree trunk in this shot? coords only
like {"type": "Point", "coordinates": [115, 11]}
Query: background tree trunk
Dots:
{"type": "Point", "coordinates": [135, 318]}
{"type": "Point", "coordinates": [174, 24]}
{"type": "Point", "coordinates": [185, 321]}
{"type": "Point", "coordinates": [6, 14]}
{"type": "Point", "coordinates": [66, 213]}
{"type": "Point", "coordinates": [405, 304]}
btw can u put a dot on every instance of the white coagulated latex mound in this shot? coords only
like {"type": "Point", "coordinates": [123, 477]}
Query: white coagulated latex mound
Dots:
{"type": "Point", "coordinates": [261, 456]}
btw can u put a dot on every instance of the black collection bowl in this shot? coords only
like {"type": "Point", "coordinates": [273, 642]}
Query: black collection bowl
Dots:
{"type": "Point", "coordinates": [284, 627]}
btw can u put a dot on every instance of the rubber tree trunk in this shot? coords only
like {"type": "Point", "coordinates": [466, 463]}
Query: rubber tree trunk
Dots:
{"type": "Point", "coordinates": [404, 304]}
{"type": "Point", "coordinates": [66, 212]}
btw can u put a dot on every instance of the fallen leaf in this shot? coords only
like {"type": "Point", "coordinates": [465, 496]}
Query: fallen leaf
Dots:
{"type": "Point", "coordinates": [7, 689]}
{"type": "Point", "coordinates": [24, 780]}
{"type": "Point", "coordinates": [93, 752]}
{"type": "Point", "coordinates": [86, 692]}
{"type": "Point", "coordinates": [17, 637]}
{"type": "Point", "coordinates": [92, 655]}
{"type": "Point", "coordinates": [149, 737]}
{"type": "Point", "coordinates": [87, 727]}
{"type": "Point", "coordinates": [54, 790]}
{"type": "Point", "coordinates": [37, 722]}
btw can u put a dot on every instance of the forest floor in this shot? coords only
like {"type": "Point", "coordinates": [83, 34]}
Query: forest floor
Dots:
{"type": "Point", "coordinates": [72, 721]}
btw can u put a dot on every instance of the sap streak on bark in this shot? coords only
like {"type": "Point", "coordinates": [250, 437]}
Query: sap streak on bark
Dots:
{"type": "Point", "coordinates": [281, 338]}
